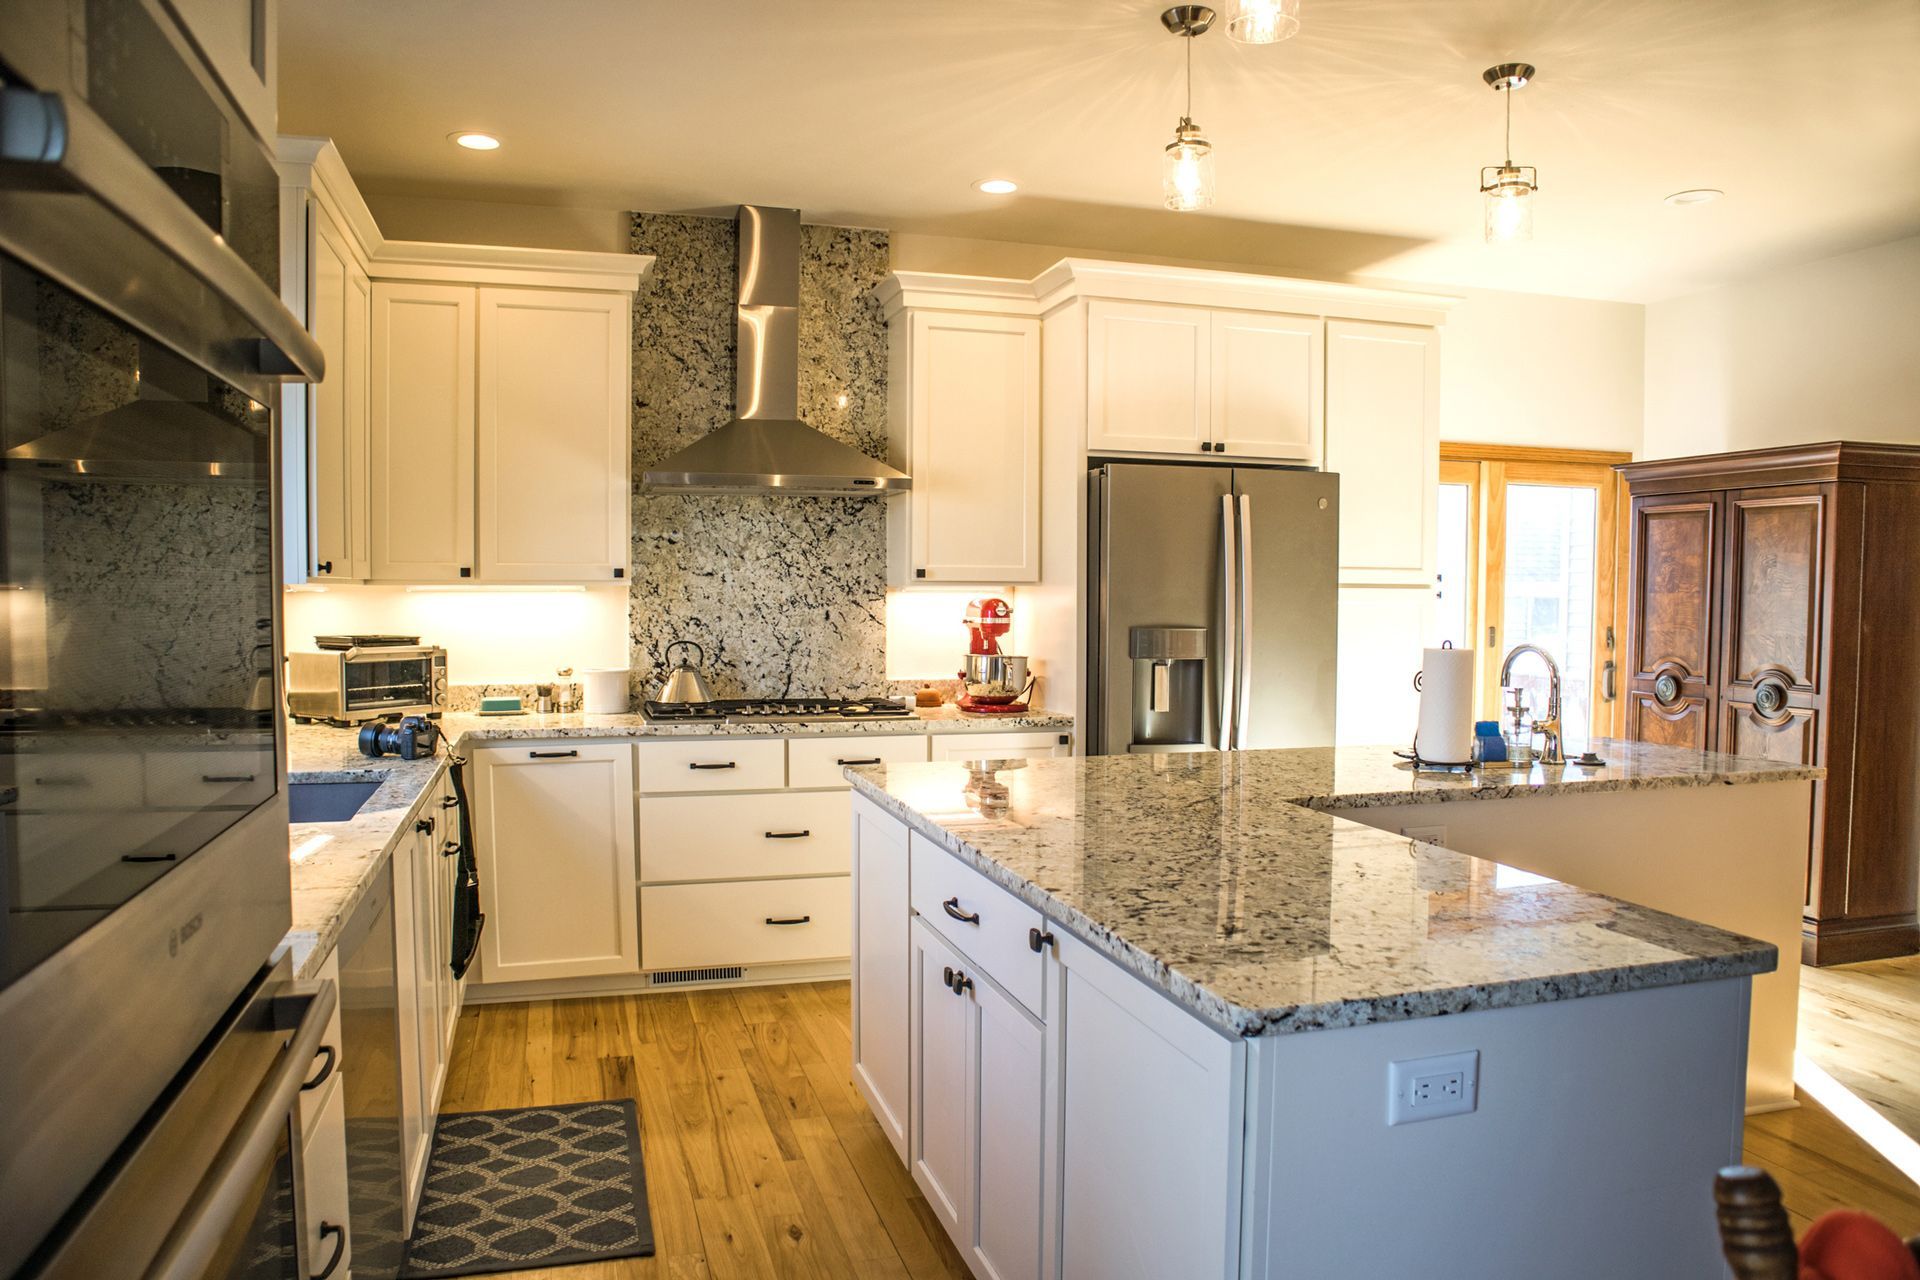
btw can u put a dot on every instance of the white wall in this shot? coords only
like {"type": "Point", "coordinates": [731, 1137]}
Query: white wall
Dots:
{"type": "Point", "coordinates": [1827, 350]}
{"type": "Point", "coordinates": [491, 636]}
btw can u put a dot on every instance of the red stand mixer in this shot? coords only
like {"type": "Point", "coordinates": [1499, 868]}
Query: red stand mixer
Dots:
{"type": "Point", "coordinates": [993, 683]}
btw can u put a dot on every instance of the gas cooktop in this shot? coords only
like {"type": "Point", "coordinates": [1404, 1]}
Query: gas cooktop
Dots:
{"type": "Point", "coordinates": [739, 710]}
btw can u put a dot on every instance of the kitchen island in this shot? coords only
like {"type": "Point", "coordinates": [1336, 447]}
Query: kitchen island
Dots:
{"type": "Point", "coordinates": [1163, 1015]}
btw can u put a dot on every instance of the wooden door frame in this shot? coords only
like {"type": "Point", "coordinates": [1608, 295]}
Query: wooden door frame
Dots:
{"type": "Point", "coordinates": [1494, 467]}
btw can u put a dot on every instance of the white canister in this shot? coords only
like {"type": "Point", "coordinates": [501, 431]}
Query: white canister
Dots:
{"type": "Point", "coordinates": [603, 691]}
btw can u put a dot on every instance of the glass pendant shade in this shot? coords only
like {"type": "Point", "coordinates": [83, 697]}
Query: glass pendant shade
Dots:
{"type": "Point", "coordinates": [1508, 193]}
{"type": "Point", "coordinates": [1262, 21]}
{"type": "Point", "coordinates": [1187, 171]}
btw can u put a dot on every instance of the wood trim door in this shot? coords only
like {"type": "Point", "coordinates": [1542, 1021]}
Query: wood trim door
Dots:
{"type": "Point", "coordinates": [1672, 640]}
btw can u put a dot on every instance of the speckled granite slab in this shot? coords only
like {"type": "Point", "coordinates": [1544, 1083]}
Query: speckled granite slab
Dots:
{"type": "Point", "coordinates": [1210, 877]}
{"type": "Point", "coordinates": [334, 863]}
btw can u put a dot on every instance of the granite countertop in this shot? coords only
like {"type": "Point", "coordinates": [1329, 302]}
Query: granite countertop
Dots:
{"type": "Point", "coordinates": [334, 863]}
{"type": "Point", "coordinates": [1218, 879]}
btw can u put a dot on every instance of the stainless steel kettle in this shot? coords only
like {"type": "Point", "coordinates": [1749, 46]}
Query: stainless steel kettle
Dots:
{"type": "Point", "coordinates": [684, 682]}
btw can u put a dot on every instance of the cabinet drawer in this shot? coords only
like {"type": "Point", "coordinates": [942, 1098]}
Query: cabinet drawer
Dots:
{"type": "Point", "coordinates": [65, 781]}
{"type": "Point", "coordinates": [996, 931]}
{"type": "Point", "coordinates": [314, 1101]}
{"type": "Point", "coordinates": [697, 925]}
{"type": "Point", "coordinates": [1036, 744]}
{"type": "Point", "coordinates": [744, 837]}
{"type": "Point", "coordinates": [177, 779]}
{"type": "Point", "coordinates": [713, 764]}
{"type": "Point", "coordinates": [817, 762]}
{"type": "Point", "coordinates": [324, 1181]}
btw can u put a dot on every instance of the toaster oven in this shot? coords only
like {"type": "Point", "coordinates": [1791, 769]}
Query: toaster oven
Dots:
{"type": "Point", "coordinates": [352, 685]}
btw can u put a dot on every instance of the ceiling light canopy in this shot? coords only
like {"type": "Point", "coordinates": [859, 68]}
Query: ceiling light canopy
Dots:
{"type": "Point", "coordinates": [997, 186]}
{"type": "Point", "coordinates": [1262, 21]}
{"type": "Point", "coordinates": [1186, 166]}
{"type": "Point", "coordinates": [1507, 188]}
{"type": "Point", "coordinates": [475, 141]}
{"type": "Point", "coordinates": [1695, 195]}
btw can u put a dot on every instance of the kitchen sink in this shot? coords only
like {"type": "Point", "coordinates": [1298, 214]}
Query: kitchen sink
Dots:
{"type": "Point", "coordinates": [327, 801]}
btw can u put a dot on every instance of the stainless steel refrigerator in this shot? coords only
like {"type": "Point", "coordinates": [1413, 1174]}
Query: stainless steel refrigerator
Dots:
{"type": "Point", "coordinates": [1212, 594]}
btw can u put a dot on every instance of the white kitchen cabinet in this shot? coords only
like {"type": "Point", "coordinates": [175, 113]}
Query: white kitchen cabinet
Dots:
{"type": "Point", "coordinates": [323, 1186]}
{"type": "Point", "coordinates": [421, 468]}
{"type": "Point", "coordinates": [1159, 1195]}
{"type": "Point", "coordinates": [937, 1053]}
{"type": "Point", "coordinates": [965, 424]}
{"type": "Point", "coordinates": [746, 922]}
{"type": "Point", "coordinates": [337, 447]}
{"type": "Point", "coordinates": [1033, 744]}
{"type": "Point", "coordinates": [1266, 397]}
{"type": "Point", "coordinates": [880, 968]}
{"type": "Point", "coordinates": [555, 825]}
{"type": "Point", "coordinates": [553, 457]}
{"type": "Point", "coordinates": [1149, 378]}
{"type": "Point", "coordinates": [1383, 438]}
{"type": "Point", "coordinates": [741, 837]}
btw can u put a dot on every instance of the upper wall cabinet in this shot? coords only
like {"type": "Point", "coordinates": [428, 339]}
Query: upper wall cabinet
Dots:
{"type": "Point", "coordinates": [473, 422]}
{"type": "Point", "coordinates": [964, 422]}
{"type": "Point", "coordinates": [1383, 438]}
{"type": "Point", "coordinates": [1266, 374]}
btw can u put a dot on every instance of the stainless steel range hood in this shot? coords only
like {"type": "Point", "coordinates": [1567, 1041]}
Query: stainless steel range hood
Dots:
{"type": "Point", "coordinates": [767, 449]}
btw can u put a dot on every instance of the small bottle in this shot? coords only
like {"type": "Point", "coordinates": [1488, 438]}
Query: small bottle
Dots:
{"type": "Point", "coordinates": [1488, 746]}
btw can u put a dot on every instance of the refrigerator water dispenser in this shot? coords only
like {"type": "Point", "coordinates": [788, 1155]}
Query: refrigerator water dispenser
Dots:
{"type": "Point", "coordinates": [1169, 688]}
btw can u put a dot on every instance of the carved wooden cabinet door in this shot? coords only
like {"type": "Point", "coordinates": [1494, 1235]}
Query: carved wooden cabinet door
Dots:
{"type": "Point", "coordinates": [1774, 679]}
{"type": "Point", "coordinates": [1672, 656]}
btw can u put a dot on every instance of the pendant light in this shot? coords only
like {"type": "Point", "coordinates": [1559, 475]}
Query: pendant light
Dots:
{"type": "Point", "coordinates": [1186, 180]}
{"type": "Point", "coordinates": [1507, 188]}
{"type": "Point", "coordinates": [1262, 21]}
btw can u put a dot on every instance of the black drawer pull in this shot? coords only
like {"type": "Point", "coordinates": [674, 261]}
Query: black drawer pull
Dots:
{"type": "Point", "coordinates": [946, 976]}
{"type": "Point", "coordinates": [339, 1234]}
{"type": "Point", "coordinates": [450, 802]}
{"type": "Point", "coordinates": [149, 857]}
{"type": "Point", "coordinates": [1039, 941]}
{"type": "Point", "coordinates": [952, 907]}
{"type": "Point", "coordinates": [791, 920]}
{"type": "Point", "coordinates": [326, 1068]}
{"type": "Point", "coordinates": [961, 983]}
{"type": "Point", "coordinates": [63, 780]}
{"type": "Point", "coordinates": [423, 825]}
{"type": "Point", "coordinates": [788, 835]}
{"type": "Point", "coordinates": [450, 848]}
{"type": "Point", "coordinates": [864, 760]}
{"type": "Point", "coordinates": [226, 777]}
{"type": "Point", "coordinates": [551, 755]}
{"type": "Point", "coordinates": [728, 765]}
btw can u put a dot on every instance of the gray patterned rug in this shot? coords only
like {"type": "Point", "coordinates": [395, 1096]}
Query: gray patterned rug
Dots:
{"type": "Point", "coordinates": [531, 1187]}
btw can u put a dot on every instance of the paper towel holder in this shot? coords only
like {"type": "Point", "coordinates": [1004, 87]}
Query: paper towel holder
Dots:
{"type": "Point", "coordinates": [1421, 763]}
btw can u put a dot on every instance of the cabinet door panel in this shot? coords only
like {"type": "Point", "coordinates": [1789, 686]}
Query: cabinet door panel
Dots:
{"type": "Point", "coordinates": [1775, 546]}
{"type": "Point", "coordinates": [1673, 598]}
{"type": "Point", "coordinates": [332, 482]}
{"type": "Point", "coordinates": [557, 862]}
{"type": "Point", "coordinates": [421, 465]}
{"type": "Point", "coordinates": [552, 409]}
{"type": "Point", "coordinates": [976, 449]}
{"type": "Point", "coordinates": [1684, 724]}
{"type": "Point", "coordinates": [354, 417]}
{"type": "Point", "coordinates": [1383, 440]}
{"type": "Point", "coordinates": [1006, 1136]}
{"type": "Point", "coordinates": [1789, 738]}
{"type": "Point", "coordinates": [1148, 372]}
{"type": "Point", "coordinates": [937, 1134]}
{"type": "Point", "coordinates": [1266, 397]}
{"type": "Point", "coordinates": [881, 972]}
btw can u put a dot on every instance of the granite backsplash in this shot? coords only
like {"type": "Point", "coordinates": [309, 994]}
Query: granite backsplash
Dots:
{"type": "Point", "coordinates": [784, 594]}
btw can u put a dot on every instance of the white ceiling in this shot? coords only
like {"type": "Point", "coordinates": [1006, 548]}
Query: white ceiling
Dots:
{"type": "Point", "coordinates": [1354, 148]}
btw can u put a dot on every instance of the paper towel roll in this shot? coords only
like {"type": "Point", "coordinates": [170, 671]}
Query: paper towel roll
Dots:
{"type": "Point", "coordinates": [1445, 734]}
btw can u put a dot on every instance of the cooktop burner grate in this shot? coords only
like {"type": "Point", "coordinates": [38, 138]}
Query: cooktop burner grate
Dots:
{"type": "Point", "coordinates": [743, 709]}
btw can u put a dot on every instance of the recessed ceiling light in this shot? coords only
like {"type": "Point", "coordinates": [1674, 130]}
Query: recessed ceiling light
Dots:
{"type": "Point", "coordinates": [475, 141]}
{"type": "Point", "coordinates": [997, 186]}
{"type": "Point", "coordinates": [1697, 195]}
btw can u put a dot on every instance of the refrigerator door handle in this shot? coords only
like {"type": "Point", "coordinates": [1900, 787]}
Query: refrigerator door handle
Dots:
{"type": "Point", "coordinates": [1229, 624]}
{"type": "Point", "coordinates": [1243, 669]}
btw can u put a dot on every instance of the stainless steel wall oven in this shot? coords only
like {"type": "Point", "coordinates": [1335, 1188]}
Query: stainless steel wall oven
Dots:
{"type": "Point", "coordinates": [143, 824]}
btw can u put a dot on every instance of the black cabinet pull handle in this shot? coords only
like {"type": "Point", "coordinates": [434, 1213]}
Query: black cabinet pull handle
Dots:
{"type": "Point", "coordinates": [790, 920]}
{"type": "Point", "coordinates": [551, 755]}
{"type": "Point", "coordinates": [149, 857]}
{"type": "Point", "coordinates": [728, 765]}
{"type": "Point", "coordinates": [424, 826]}
{"type": "Point", "coordinates": [61, 780]}
{"type": "Point", "coordinates": [339, 1234]}
{"type": "Point", "coordinates": [788, 835]}
{"type": "Point", "coordinates": [952, 907]}
{"type": "Point", "coordinates": [226, 777]}
{"type": "Point", "coordinates": [450, 802]}
{"type": "Point", "coordinates": [326, 1068]}
{"type": "Point", "coordinates": [323, 566]}
{"type": "Point", "coordinates": [961, 983]}
{"type": "Point", "coordinates": [867, 760]}
{"type": "Point", "coordinates": [1039, 941]}
{"type": "Point", "coordinates": [450, 848]}
{"type": "Point", "coordinates": [946, 976]}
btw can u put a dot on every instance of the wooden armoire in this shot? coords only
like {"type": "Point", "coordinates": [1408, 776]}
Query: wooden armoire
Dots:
{"type": "Point", "coordinates": [1773, 609]}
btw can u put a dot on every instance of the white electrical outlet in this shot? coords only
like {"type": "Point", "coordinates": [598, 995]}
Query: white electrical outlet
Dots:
{"type": "Point", "coordinates": [1428, 1088]}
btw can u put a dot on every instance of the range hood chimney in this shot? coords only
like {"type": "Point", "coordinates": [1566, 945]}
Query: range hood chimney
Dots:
{"type": "Point", "coordinates": [767, 449]}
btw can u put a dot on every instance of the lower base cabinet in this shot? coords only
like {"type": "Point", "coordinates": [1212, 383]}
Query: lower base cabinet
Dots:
{"type": "Point", "coordinates": [880, 941]}
{"type": "Point", "coordinates": [323, 1170]}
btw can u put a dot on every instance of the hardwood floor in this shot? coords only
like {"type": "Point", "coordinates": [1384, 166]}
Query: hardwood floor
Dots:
{"type": "Point", "coordinates": [762, 1160]}
{"type": "Point", "coordinates": [1861, 1022]}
